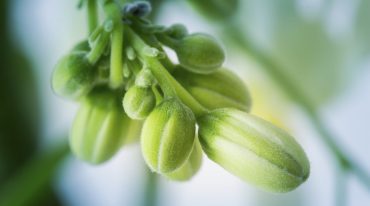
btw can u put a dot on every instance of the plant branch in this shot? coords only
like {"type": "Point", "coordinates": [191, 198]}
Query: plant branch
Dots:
{"type": "Point", "coordinates": [169, 84]}
{"type": "Point", "coordinates": [113, 13]}
{"type": "Point", "coordinates": [92, 15]}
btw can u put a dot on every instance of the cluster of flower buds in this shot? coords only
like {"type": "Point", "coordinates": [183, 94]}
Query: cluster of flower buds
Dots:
{"type": "Point", "coordinates": [130, 91]}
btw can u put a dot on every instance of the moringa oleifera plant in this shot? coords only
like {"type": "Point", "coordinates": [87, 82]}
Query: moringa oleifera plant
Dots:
{"type": "Point", "coordinates": [130, 91]}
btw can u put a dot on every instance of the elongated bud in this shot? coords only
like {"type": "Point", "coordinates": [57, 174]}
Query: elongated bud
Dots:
{"type": "Point", "coordinates": [219, 89]}
{"type": "Point", "coordinates": [100, 127]}
{"type": "Point", "coordinates": [218, 10]}
{"type": "Point", "coordinates": [253, 149]}
{"type": "Point", "coordinates": [73, 76]}
{"type": "Point", "coordinates": [138, 102]}
{"type": "Point", "coordinates": [199, 53]}
{"type": "Point", "coordinates": [191, 166]}
{"type": "Point", "coordinates": [167, 136]}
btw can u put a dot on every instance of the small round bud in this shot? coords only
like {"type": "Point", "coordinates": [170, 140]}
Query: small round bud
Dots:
{"type": "Point", "coordinates": [130, 53]}
{"type": "Point", "coordinates": [108, 25]}
{"type": "Point", "coordinates": [100, 127]}
{"type": "Point", "coordinates": [138, 102]}
{"type": "Point", "coordinates": [167, 136]}
{"type": "Point", "coordinates": [219, 89]}
{"type": "Point", "coordinates": [145, 78]}
{"type": "Point", "coordinates": [153, 52]}
{"type": "Point", "coordinates": [253, 149]}
{"type": "Point", "coordinates": [199, 53]}
{"type": "Point", "coordinates": [191, 166]}
{"type": "Point", "coordinates": [73, 76]}
{"type": "Point", "coordinates": [176, 31]}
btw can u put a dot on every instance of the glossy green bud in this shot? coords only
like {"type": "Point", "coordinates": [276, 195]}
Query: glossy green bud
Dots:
{"type": "Point", "coordinates": [73, 76]}
{"type": "Point", "coordinates": [167, 136]}
{"type": "Point", "coordinates": [253, 149]}
{"type": "Point", "coordinates": [191, 166]}
{"type": "Point", "coordinates": [219, 89]}
{"type": "Point", "coordinates": [138, 102]}
{"type": "Point", "coordinates": [199, 53]}
{"type": "Point", "coordinates": [101, 127]}
{"type": "Point", "coordinates": [218, 10]}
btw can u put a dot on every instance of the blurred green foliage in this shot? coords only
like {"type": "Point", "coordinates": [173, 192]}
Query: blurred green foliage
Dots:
{"type": "Point", "coordinates": [20, 110]}
{"type": "Point", "coordinates": [19, 120]}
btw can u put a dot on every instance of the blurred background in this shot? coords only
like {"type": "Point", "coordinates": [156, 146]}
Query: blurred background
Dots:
{"type": "Point", "coordinates": [322, 46]}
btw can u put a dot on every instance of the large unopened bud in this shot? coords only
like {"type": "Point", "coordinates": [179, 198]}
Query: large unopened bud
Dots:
{"type": "Point", "coordinates": [191, 166]}
{"type": "Point", "coordinates": [219, 89]}
{"type": "Point", "coordinates": [138, 102]}
{"type": "Point", "coordinates": [167, 136]}
{"type": "Point", "coordinates": [253, 149]}
{"type": "Point", "coordinates": [199, 53]}
{"type": "Point", "coordinates": [73, 76]}
{"type": "Point", "coordinates": [101, 127]}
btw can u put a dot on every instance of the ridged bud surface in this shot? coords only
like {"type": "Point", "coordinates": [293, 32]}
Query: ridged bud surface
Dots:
{"type": "Point", "coordinates": [73, 76]}
{"type": "Point", "coordinates": [167, 136]}
{"type": "Point", "coordinates": [138, 102]}
{"type": "Point", "coordinates": [219, 89]}
{"type": "Point", "coordinates": [253, 149]}
{"type": "Point", "coordinates": [101, 127]}
{"type": "Point", "coordinates": [191, 166]}
{"type": "Point", "coordinates": [199, 53]}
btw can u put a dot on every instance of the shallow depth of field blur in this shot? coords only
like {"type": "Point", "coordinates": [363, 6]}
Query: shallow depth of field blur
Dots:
{"type": "Point", "coordinates": [322, 45]}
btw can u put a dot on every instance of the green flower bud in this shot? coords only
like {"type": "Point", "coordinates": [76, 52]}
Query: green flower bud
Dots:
{"type": "Point", "coordinates": [191, 166]}
{"type": "Point", "coordinates": [215, 9]}
{"type": "Point", "coordinates": [145, 78]}
{"type": "Point", "coordinates": [177, 31]}
{"type": "Point", "coordinates": [73, 76]}
{"type": "Point", "coordinates": [219, 89]}
{"type": "Point", "coordinates": [199, 53]}
{"type": "Point", "coordinates": [167, 136]}
{"type": "Point", "coordinates": [253, 149]}
{"type": "Point", "coordinates": [100, 127]}
{"type": "Point", "coordinates": [138, 102]}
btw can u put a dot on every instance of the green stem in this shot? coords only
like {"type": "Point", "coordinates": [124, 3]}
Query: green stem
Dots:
{"type": "Point", "coordinates": [95, 34]}
{"type": "Point", "coordinates": [116, 68]}
{"type": "Point", "coordinates": [92, 15]}
{"type": "Point", "coordinates": [151, 40]}
{"type": "Point", "coordinates": [237, 36]}
{"type": "Point", "coordinates": [158, 96]}
{"type": "Point", "coordinates": [169, 84]}
{"type": "Point", "coordinates": [116, 74]}
{"type": "Point", "coordinates": [27, 185]}
{"type": "Point", "coordinates": [98, 48]}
